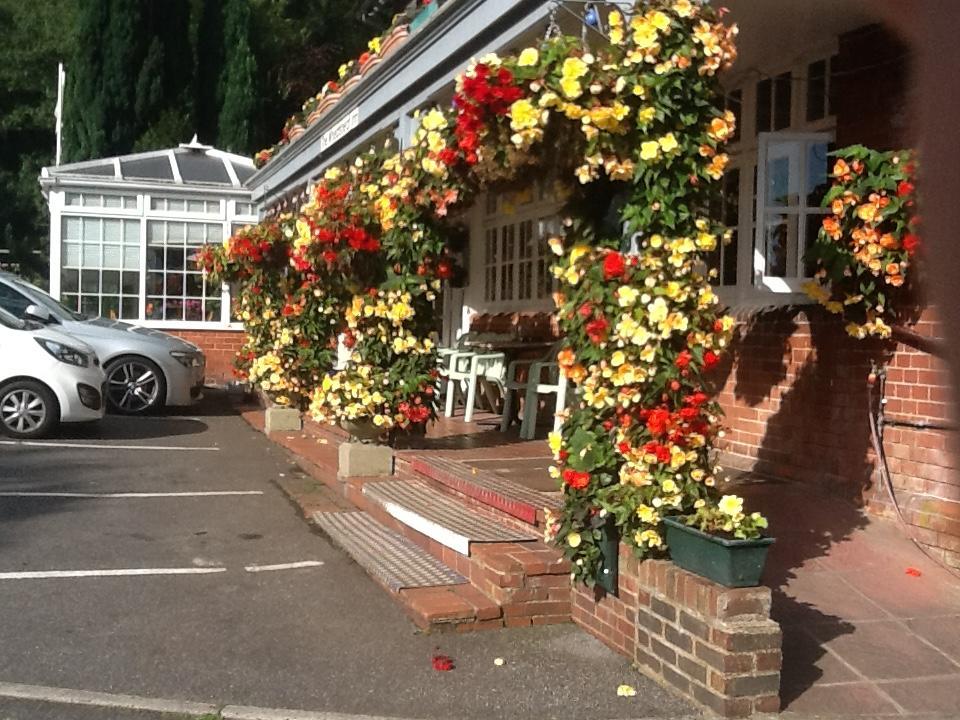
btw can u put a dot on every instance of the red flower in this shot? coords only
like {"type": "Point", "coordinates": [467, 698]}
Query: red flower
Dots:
{"type": "Point", "coordinates": [710, 359]}
{"type": "Point", "coordinates": [905, 187]}
{"type": "Point", "coordinates": [658, 421]}
{"type": "Point", "coordinates": [586, 310]}
{"type": "Point", "coordinates": [683, 359]}
{"type": "Point", "coordinates": [911, 242]}
{"type": "Point", "coordinates": [597, 330]}
{"type": "Point", "coordinates": [577, 479]}
{"type": "Point", "coordinates": [661, 452]}
{"type": "Point", "coordinates": [442, 663]}
{"type": "Point", "coordinates": [288, 310]}
{"type": "Point", "coordinates": [613, 266]}
{"type": "Point", "coordinates": [444, 269]}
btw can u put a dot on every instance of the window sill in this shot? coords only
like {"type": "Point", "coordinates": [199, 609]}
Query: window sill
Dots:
{"type": "Point", "coordinates": [188, 325]}
{"type": "Point", "coordinates": [749, 298]}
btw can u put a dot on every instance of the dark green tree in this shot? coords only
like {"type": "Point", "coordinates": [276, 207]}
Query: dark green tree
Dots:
{"type": "Point", "coordinates": [238, 81]}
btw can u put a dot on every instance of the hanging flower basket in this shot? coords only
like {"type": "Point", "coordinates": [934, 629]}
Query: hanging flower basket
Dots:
{"type": "Point", "coordinates": [730, 562]}
{"type": "Point", "coordinates": [362, 430]}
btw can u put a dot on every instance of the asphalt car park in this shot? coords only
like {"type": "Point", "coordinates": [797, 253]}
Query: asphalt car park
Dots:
{"type": "Point", "coordinates": [155, 557]}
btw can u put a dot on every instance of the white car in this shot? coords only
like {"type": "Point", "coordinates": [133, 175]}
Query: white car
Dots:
{"type": "Point", "coordinates": [146, 369]}
{"type": "Point", "coordinates": [46, 378]}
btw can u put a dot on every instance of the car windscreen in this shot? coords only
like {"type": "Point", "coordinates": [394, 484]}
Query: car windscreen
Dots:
{"type": "Point", "coordinates": [11, 321]}
{"type": "Point", "coordinates": [58, 309]}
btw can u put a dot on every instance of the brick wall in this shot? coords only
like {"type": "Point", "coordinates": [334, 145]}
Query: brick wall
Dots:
{"type": "Point", "coordinates": [795, 396]}
{"type": "Point", "coordinates": [717, 646]}
{"type": "Point", "coordinates": [220, 347]}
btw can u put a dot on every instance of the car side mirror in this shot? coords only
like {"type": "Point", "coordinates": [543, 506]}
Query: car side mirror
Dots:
{"type": "Point", "coordinates": [40, 314]}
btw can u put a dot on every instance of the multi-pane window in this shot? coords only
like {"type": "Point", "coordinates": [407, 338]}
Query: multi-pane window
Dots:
{"type": "Point", "coordinates": [100, 266]}
{"type": "Point", "coordinates": [516, 254]}
{"type": "Point", "coordinates": [97, 200]}
{"type": "Point", "coordinates": [819, 89]}
{"type": "Point", "coordinates": [727, 209]}
{"type": "Point", "coordinates": [176, 288]}
{"type": "Point", "coordinates": [244, 209]}
{"type": "Point", "coordinates": [792, 180]}
{"type": "Point", "coordinates": [774, 97]}
{"type": "Point", "coordinates": [183, 205]}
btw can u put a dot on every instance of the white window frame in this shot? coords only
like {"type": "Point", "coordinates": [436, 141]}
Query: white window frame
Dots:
{"type": "Point", "coordinates": [745, 155]}
{"type": "Point", "coordinates": [793, 281]}
{"type": "Point", "coordinates": [497, 213]}
{"type": "Point", "coordinates": [226, 217]}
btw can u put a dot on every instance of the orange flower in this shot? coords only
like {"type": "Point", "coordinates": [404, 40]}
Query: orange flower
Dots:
{"type": "Point", "coordinates": [893, 268]}
{"type": "Point", "coordinates": [867, 212]}
{"type": "Point", "coordinates": [889, 242]}
{"type": "Point", "coordinates": [841, 168]}
{"type": "Point", "coordinates": [832, 227]}
{"type": "Point", "coordinates": [895, 280]}
{"type": "Point", "coordinates": [566, 358]}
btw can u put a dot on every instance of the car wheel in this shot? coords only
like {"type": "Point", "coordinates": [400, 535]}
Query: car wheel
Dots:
{"type": "Point", "coordinates": [135, 386]}
{"type": "Point", "coordinates": [28, 410]}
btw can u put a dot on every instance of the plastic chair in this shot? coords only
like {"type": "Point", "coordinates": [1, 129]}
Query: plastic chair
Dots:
{"type": "Point", "coordinates": [471, 368]}
{"type": "Point", "coordinates": [543, 378]}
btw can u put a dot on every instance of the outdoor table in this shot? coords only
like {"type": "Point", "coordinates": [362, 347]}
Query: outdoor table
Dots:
{"type": "Point", "coordinates": [512, 350]}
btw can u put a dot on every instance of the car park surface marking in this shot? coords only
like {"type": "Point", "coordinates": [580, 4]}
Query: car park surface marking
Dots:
{"type": "Point", "coordinates": [283, 566]}
{"type": "Point", "coordinates": [119, 572]}
{"type": "Point", "coordinates": [102, 446]}
{"type": "Point", "coordinates": [127, 495]}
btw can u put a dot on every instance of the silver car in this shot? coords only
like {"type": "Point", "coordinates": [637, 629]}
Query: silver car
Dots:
{"type": "Point", "coordinates": [146, 369]}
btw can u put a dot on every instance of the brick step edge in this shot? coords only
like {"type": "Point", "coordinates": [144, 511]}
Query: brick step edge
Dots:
{"type": "Point", "coordinates": [460, 478]}
{"type": "Point", "coordinates": [490, 602]}
{"type": "Point", "coordinates": [528, 580]}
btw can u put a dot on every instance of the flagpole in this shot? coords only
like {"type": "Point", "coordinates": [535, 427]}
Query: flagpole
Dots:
{"type": "Point", "coordinates": [58, 112]}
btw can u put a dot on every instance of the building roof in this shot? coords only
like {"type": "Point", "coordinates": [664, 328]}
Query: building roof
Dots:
{"type": "Point", "coordinates": [190, 166]}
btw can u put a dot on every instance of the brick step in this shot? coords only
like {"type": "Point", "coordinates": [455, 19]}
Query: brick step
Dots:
{"type": "Point", "coordinates": [434, 596]}
{"type": "Point", "coordinates": [527, 580]}
{"type": "Point", "coordinates": [483, 486]}
{"type": "Point", "coordinates": [440, 517]}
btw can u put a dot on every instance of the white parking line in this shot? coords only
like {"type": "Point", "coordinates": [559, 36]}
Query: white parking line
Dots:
{"type": "Point", "coordinates": [283, 566]}
{"type": "Point", "coordinates": [103, 446]}
{"type": "Point", "coordinates": [131, 495]}
{"type": "Point", "coordinates": [122, 572]}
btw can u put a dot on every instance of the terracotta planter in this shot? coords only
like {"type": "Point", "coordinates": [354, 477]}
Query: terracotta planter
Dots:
{"type": "Point", "coordinates": [370, 64]}
{"type": "Point", "coordinates": [397, 37]}
{"type": "Point", "coordinates": [314, 115]}
{"type": "Point", "coordinates": [295, 132]}
{"type": "Point", "coordinates": [355, 80]}
{"type": "Point", "coordinates": [363, 431]}
{"type": "Point", "coordinates": [732, 563]}
{"type": "Point", "coordinates": [328, 102]}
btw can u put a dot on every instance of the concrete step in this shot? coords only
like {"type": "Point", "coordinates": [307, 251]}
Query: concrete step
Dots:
{"type": "Point", "coordinates": [440, 517]}
{"type": "Point", "coordinates": [394, 560]}
{"type": "Point", "coordinates": [483, 486]}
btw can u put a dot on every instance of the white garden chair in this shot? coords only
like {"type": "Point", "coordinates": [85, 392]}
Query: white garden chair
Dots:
{"type": "Point", "coordinates": [471, 368]}
{"type": "Point", "coordinates": [543, 378]}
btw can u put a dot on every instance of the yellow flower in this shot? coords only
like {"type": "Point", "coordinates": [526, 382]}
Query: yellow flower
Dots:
{"type": "Point", "coordinates": [730, 505]}
{"type": "Point", "coordinates": [528, 58]}
{"type": "Point", "coordinates": [434, 120]}
{"type": "Point", "coordinates": [333, 173]}
{"type": "Point", "coordinates": [647, 514]}
{"type": "Point", "coordinates": [574, 68]}
{"type": "Point", "coordinates": [659, 20]}
{"type": "Point", "coordinates": [627, 295]}
{"type": "Point", "coordinates": [616, 35]}
{"type": "Point", "coordinates": [683, 8]}
{"type": "Point", "coordinates": [574, 539]}
{"type": "Point", "coordinates": [555, 441]}
{"type": "Point", "coordinates": [571, 88]}
{"type": "Point", "coordinates": [618, 358]}
{"type": "Point", "coordinates": [649, 150]}
{"type": "Point", "coordinates": [658, 310]}
{"type": "Point", "coordinates": [626, 691]}
{"type": "Point", "coordinates": [578, 252]}
{"type": "Point", "coordinates": [523, 115]}
{"type": "Point", "coordinates": [668, 143]}
{"type": "Point", "coordinates": [615, 19]}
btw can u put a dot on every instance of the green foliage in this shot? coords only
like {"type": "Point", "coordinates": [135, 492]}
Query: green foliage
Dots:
{"type": "Point", "coordinates": [238, 81]}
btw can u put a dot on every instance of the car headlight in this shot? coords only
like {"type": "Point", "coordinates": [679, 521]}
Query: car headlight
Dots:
{"type": "Point", "coordinates": [187, 359]}
{"type": "Point", "coordinates": [64, 353]}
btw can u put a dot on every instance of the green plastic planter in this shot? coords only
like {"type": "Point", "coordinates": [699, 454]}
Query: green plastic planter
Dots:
{"type": "Point", "coordinates": [732, 563]}
{"type": "Point", "coordinates": [424, 14]}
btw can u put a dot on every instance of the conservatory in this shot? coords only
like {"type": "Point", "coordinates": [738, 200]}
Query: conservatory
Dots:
{"type": "Point", "coordinates": [123, 231]}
